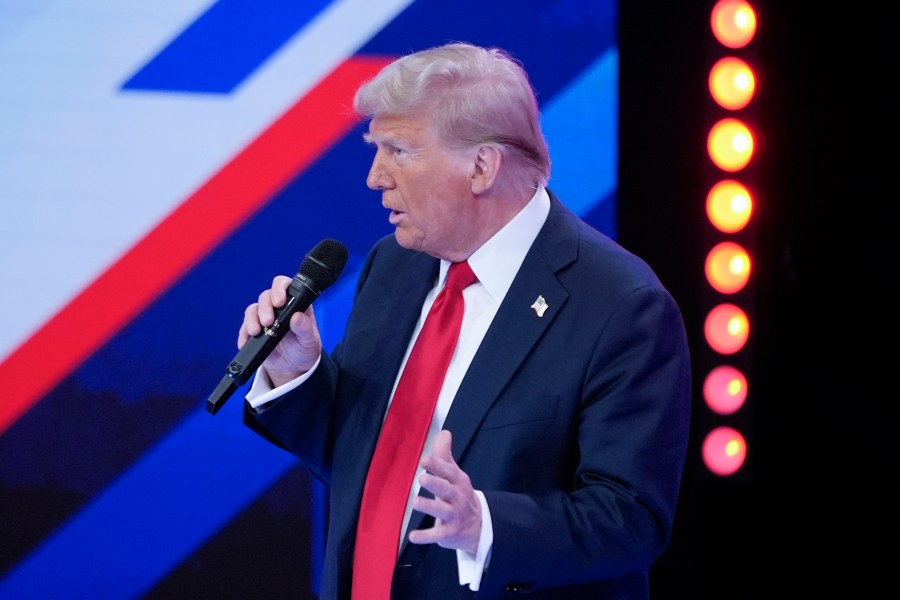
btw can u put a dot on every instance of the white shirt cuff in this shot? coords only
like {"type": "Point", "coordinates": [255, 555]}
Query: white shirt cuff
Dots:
{"type": "Point", "coordinates": [262, 392]}
{"type": "Point", "coordinates": [472, 566]}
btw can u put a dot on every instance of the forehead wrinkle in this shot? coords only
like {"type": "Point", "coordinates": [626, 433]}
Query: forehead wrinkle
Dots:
{"type": "Point", "coordinates": [399, 128]}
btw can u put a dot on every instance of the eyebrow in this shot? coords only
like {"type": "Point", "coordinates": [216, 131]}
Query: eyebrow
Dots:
{"type": "Point", "coordinates": [388, 139]}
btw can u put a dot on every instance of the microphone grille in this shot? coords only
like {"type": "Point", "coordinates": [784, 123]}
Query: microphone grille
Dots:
{"type": "Point", "coordinates": [324, 263]}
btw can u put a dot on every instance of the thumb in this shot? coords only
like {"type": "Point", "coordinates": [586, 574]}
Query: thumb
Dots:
{"type": "Point", "coordinates": [442, 445]}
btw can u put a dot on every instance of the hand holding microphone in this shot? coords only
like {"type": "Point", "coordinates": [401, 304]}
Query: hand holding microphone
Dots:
{"type": "Point", "coordinates": [301, 345]}
{"type": "Point", "coordinates": [320, 268]}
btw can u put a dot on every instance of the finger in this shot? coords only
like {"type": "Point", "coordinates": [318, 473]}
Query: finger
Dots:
{"type": "Point", "coordinates": [303, 325]}
{"type": "Point", "coordinates": [272, 299]}
{"type": "Point", "coordinates": [250, 326]}
{"type": "Point", "coordinates": [453, 528]}
{"type": "Point", "coordinates": [435, 507]}
{"type": "Point", "coordinates": [440, 487]}
{"type": "Point", "coordinates": [425, 536]}
{"type": "Point", "coordinates": [262, 312]}
{"type": "Point", "coordinates": [442, 445]}
{"type": "Point", "coordinates": [278, 293]}
{"type": "Point", "coordinates": [440, 461]}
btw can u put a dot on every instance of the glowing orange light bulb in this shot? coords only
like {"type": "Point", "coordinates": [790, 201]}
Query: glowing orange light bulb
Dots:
{"type": "Point", "coordinates": [733, 22]}
{"type": "Point", "coordinates": [725, 390]}
{"type": "Point", "coordinates": [729, 206]}
{"type": "Point", "coordinates": [724, 451]}
{"type": "Point", "coordinates": [726, 328]}
{"type": "Point", "coordinates": [730, 144]}
{"type": "Point", "coordinates": [731, 83]}
{"type": "Point", "coordinates": [728, 267]}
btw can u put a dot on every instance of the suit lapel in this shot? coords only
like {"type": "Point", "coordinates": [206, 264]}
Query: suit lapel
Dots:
{"type": "Point", "coordinates": [517, 327]}
{"type": "Point", "coordinates": [397, 320]}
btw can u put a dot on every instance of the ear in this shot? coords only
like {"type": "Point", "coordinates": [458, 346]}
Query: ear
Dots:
{"type": "Point", "coordinates": [488, 162]}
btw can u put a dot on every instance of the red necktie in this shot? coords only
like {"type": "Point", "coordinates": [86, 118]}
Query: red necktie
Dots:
{"type": "Point", "coordinates": [399, 446]}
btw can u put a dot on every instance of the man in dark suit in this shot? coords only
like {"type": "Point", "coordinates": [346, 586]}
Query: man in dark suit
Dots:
{"type": "Point", "coordinates": [554, 453]}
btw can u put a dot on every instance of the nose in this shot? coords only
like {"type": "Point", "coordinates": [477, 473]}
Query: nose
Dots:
{"type": "Point", "coordinates": [378, 178]}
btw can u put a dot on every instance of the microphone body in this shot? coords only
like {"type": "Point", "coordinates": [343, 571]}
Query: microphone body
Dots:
{"type": "Point", "coordinates": [319, 269]}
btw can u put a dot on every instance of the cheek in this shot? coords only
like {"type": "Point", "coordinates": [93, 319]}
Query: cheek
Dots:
{"type": "Point", "coordinates": [435, 197]}
{"type": "Point", "coordinates": [424, 194]}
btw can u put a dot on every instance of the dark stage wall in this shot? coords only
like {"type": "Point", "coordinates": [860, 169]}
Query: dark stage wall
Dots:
{"type": "Point", "coordinates": [815, 510]}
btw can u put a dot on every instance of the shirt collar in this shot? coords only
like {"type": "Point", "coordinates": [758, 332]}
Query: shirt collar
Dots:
{"type": "Point", "coordinates": [498, 260]}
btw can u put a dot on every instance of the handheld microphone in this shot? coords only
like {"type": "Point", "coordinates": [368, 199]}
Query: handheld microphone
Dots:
{"type": "Point", "coordinates": [320, 268]}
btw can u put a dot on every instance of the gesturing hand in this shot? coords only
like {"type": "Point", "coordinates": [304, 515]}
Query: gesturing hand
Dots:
{"type": "Point", "coordinates": [455, 506]}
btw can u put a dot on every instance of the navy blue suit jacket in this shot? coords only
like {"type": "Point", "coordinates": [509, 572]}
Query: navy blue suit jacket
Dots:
{"type": "Point", "coordinates": [574, 424]}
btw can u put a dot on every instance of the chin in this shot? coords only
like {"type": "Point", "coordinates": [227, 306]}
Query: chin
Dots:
{"type": "Point", "coordinates": [407, 241]}
{"type": "Point", "coordinates": [403, 240]}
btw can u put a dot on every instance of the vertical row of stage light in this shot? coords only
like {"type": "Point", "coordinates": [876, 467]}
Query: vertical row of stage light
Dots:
{"type": "Point", "coordinates": [729, 241]}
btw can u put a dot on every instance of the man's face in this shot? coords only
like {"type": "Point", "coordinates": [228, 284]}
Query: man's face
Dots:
{"type": "Point", "coordinates": [424, 185]}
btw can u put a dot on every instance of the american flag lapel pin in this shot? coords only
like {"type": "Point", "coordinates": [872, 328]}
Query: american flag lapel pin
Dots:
{"type": "Point", "coordinates": [540, 306]}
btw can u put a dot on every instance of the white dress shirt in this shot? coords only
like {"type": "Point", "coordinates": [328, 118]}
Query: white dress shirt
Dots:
{"type": "Point", "coordinates": [495, 264]}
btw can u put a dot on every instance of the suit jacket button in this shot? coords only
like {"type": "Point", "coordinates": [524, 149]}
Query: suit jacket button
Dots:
{"type": "Point", "coordinates": [517, 588]}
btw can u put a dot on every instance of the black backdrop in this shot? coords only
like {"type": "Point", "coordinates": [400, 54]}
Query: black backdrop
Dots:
{"type": "Point", "coordinates": [816, 510]}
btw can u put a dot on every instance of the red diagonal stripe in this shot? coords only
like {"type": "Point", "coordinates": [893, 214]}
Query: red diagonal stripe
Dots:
{"type": "Point", "coordinates": [208, 216]}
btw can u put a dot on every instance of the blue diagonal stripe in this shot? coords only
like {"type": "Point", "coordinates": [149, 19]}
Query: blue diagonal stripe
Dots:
{"type": "Point", "coordinates": [581, 126]}
{"type": "Point", "coordinates": [225, 45]}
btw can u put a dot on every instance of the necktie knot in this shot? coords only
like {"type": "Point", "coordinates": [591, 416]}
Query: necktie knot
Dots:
{"type": "Point", "coordinates": [460, 276]}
